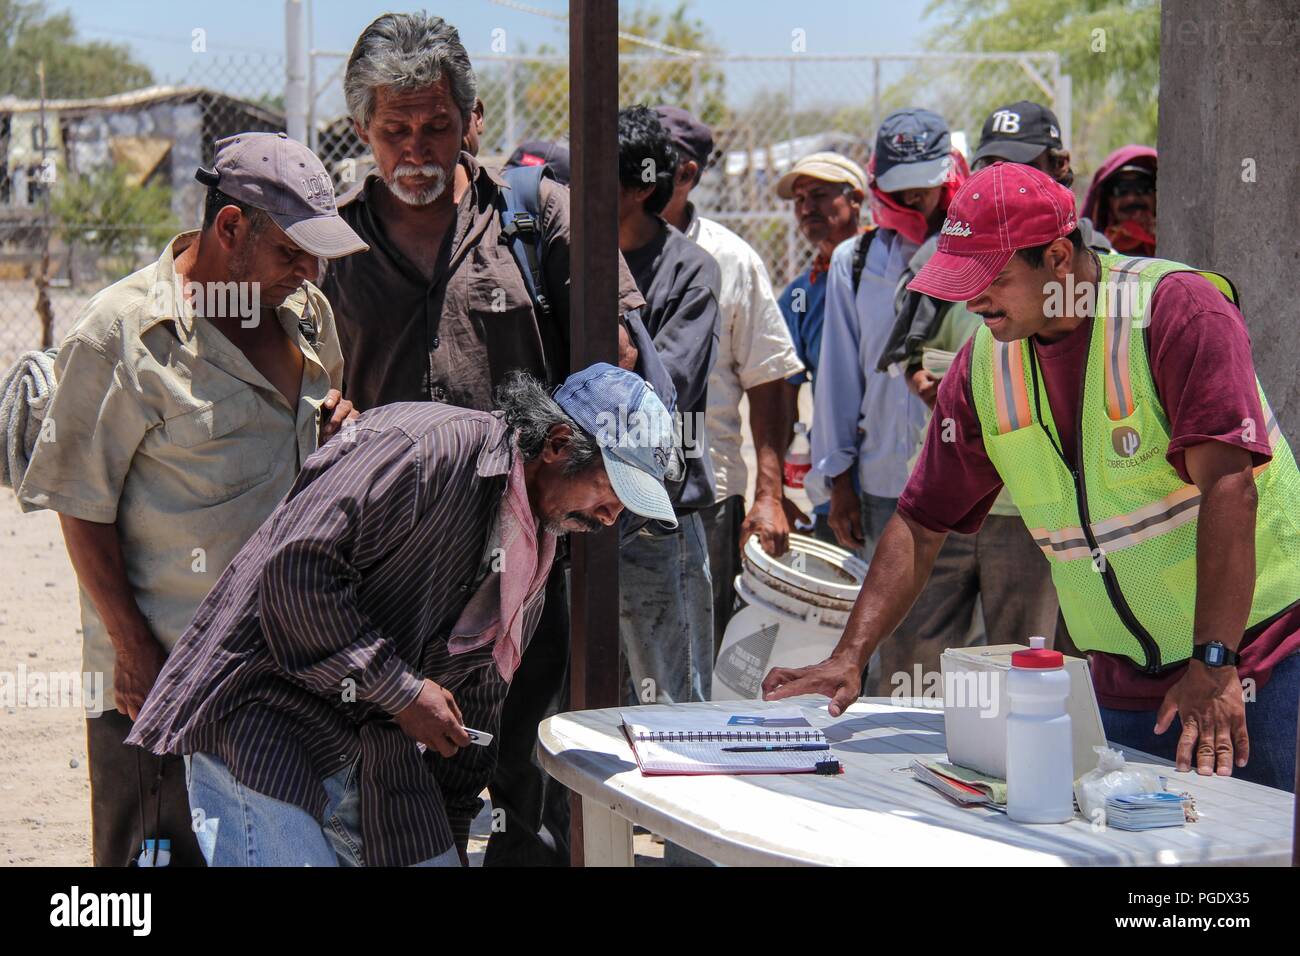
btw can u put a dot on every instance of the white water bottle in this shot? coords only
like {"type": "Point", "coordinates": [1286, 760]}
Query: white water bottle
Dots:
{"type": "Point", "coordinates": [1040, 747]}
{"type": "Point", "coordinates": [798, 457]}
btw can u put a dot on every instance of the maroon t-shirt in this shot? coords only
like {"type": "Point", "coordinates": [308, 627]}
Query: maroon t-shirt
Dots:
{"type": "Point", "coordinates": [1200, 358]}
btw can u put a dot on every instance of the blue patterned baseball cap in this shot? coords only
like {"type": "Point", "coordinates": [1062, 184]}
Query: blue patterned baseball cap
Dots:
{"type": "Point", "coordinates": [913, 150]}
{"type": "Point", "coordinates": [637, 435]}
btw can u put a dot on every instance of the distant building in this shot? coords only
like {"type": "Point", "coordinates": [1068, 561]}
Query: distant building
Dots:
{"type": "Point", "coordinates": [158, 134]}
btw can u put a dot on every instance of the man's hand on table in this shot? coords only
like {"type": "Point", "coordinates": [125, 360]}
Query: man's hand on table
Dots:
{"type": "Point", "coordinates": [335, 410]}
{"type": "Point", "coordinates": [838, 678]}
{"type": "Point", "coordinates": [1210, 702]}
{"type": "Point", "coordinates": [434, 720]}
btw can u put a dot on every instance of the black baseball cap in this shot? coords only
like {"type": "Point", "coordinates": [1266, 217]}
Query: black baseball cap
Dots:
{"type": "Point", "coordinates": [1018, 133]}
{"type": "Point", "coordinates": [689, 135]}
{"type": "Point", "coordinates": [542, 152]}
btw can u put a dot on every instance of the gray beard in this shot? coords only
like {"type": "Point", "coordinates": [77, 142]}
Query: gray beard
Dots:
{"type": "Point", "coordinates": [423, 197]}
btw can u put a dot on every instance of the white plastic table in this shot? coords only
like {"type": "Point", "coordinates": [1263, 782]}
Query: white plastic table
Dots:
{"type": "Point", "coordinates": [876, 812]}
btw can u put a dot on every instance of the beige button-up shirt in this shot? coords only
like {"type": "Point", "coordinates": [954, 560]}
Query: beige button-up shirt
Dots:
{"type": "Point", "coordinates": [754, 347]}
{"type": "Point", "coordinates": [161, 424]}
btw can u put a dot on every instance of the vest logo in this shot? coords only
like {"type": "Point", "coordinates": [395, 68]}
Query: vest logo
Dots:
{"type": "Point", "coordinates": [1126, 441]}
{"type": "Point", "coordinates": [957, 228]}
{"type": "Point", "coordinates": [1005, 121]}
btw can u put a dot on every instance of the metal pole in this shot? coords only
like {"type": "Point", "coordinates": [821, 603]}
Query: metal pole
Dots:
{"type": "Point", "coordinates": [1064, 107]}
{"type": "Point", "coordinates": [875, 95]}
{"type": "Point", "coordinates": [512, 128]}
{"type": "Point", "coordinates": [313, 138]}
{"type": "Point", "coordinates": [295, 72]}
{"type": "Point", "coordinates": [593, 125]}
{"type": "Point", "coordinates": [43, 308]}
{"type": "Point", "coordinates": [791, 239]}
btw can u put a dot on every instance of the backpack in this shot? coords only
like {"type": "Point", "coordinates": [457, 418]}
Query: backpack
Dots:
{"type": "Point", "coordinates": [860, 247]}
{"type": "Point", "coordinates": [521, 229]}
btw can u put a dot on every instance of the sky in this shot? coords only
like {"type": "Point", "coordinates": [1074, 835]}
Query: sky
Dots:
{"type": "Point", "coordinates": [160, 31]}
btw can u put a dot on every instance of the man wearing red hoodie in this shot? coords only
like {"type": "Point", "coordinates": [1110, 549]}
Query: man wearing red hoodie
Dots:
{"type": "Point", "coordinates": [1121, 201]}
{"type": "Point", "coordinates": [867, 421]}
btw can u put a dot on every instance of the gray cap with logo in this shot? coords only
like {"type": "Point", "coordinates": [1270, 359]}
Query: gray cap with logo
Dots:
{"type": "Point", "coordinates": [913, 150]}
{"type": "Point", "coordinates": [286, 180]}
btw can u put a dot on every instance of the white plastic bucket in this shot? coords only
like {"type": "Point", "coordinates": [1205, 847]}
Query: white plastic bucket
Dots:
{"type": "Point", "coordinates": [796, 608]}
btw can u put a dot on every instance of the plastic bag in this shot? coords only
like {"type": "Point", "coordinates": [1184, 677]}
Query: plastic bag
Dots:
{"type": "Point", "coordinates": [1112, 778]}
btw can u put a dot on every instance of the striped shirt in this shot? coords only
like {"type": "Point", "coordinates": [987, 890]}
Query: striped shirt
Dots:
{"type": "Point", "coordinates": [326, 622]}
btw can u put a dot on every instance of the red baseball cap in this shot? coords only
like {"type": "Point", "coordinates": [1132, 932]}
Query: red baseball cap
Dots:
{"type": "Point", "coordinates": [1002, 208]}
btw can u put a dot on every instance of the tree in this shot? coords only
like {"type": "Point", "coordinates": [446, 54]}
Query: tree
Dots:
{"type": "Point", "coordinates": [650, 77]}
{"type": "Point", "coordinates": [108, 211]}
{"type": "Point", "coordinates": [73, 68]}
{"type": "Point", "coordinates": [1111, 49]}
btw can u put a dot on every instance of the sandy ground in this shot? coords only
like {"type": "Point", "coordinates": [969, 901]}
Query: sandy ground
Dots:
{"type": "Point", "coordinates": [44, 786]}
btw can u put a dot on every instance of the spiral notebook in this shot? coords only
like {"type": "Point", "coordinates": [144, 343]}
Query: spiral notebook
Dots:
{"type": "Point", "coordinates": [668, 742]}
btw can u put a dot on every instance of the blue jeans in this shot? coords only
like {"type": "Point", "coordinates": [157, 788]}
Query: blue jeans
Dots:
{"type": "Point", "coordinates": [666, 614]}
{"type": "Point", "coordinates": [241, 827]}
{"type": "Point", "coordinates": [876, 512]}
{"type": "Point", "coordinates": [1270, 721]}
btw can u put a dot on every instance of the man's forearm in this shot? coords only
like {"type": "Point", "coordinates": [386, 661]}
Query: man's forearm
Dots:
{"type": "Point", "coordinates": [899, 569]}
{"type": "Point", "coordinates": [96, 554]}
{"type": "Point", "coordinates": [1225, 560]}
{"type": "Point", "coordinates": [768, 409]}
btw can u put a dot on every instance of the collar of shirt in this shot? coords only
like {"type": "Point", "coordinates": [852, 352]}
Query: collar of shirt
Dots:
{"type": "Point", "coordinates": [484, 183]}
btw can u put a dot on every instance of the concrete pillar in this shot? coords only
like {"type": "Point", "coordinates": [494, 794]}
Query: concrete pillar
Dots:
{"type": "Point", "coordinates": [1229, 184]}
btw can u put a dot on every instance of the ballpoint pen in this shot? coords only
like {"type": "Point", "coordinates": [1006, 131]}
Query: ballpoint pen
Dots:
{"type": "Point", "coordinates": [774, 747]}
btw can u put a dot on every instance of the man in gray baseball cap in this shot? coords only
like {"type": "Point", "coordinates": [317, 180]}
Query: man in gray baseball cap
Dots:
{"type": "Point", "coordinates": [187, 396]}
{"type": "Point", "coordinates": [284, 179]}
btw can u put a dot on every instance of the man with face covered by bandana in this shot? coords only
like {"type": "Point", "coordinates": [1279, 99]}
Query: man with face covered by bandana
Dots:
{"type": "Point", "coordinates": [1122, 200]}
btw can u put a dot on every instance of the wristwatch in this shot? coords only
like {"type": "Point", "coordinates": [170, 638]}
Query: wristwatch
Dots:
{"type": "Point", "coordinates": [1215, 654]}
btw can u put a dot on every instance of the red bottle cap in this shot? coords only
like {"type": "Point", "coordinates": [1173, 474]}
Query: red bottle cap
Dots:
{"type": "Point", "coordinates": [1037, 656]}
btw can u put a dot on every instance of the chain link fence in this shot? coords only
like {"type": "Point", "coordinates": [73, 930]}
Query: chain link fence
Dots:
{"type": "Point", "coordinates": [95, 191]}
{"type": "Point", "coordinates": [112, 179]}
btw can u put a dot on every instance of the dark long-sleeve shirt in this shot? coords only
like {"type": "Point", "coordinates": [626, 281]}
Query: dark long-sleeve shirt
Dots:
{"type": "Point", "coordinates": [680, 283]}
{"type": "Point", "coordinates": [327, 621]}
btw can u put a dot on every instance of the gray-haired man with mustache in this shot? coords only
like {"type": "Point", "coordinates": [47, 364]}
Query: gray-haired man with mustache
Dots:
{"type": "Point", "coordinates": [439, 309]}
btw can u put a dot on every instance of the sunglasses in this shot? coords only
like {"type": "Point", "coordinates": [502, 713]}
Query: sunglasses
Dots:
{"type": "Point", "coordinates": [1133, 187]}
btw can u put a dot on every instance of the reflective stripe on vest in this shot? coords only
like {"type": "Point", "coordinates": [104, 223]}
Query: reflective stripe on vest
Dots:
{"type": "Point", "coordinates": [1126, 530]}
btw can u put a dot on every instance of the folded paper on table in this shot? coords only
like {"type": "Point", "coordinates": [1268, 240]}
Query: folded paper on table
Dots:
{"type": "Point", "coordinates": [961, 783]}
